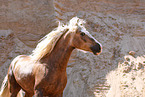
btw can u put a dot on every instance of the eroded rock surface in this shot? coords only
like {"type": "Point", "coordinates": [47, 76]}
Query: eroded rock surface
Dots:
{"type": "Point", "coordinates": [118, 25]}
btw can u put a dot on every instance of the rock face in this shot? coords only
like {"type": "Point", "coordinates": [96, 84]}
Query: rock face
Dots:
{"type": "Point", "coordinates": [118, 25]}
{"type": "Point", "coordinates": [22, 24]}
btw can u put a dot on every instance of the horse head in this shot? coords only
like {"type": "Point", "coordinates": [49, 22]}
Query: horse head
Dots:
{"type": "Point", "coordinates": [82, 39]}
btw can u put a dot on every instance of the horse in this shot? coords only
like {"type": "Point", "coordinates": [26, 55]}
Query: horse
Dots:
{"type": "Point", "coordinates": [43, 72]}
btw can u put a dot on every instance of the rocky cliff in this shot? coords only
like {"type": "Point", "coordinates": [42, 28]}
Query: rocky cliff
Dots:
{"type": "Point", "coordinates": [118, 25]}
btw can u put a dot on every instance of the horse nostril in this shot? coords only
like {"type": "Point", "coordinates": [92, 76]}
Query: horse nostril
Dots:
{"type": "Point", "coordinates": [96, 49]}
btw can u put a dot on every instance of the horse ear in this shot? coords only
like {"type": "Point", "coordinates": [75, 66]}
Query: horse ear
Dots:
{"type": "Point", "coordinates": [74, 21]}
{"type": "Point", "coordinates": [60, 24]}
{"type": "Point", "coordinates": [77, 22]}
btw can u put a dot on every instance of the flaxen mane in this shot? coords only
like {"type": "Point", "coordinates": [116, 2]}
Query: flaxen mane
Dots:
{"type": "Point", "coordinates": [47, 43]}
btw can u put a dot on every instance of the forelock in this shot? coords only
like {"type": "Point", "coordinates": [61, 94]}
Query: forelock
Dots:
{"type": "Point", "coordinates": [75, 22]}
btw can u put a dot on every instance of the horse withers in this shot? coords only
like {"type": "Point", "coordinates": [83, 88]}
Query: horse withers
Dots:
{"type": "Point", "coordinates": [43, 73]}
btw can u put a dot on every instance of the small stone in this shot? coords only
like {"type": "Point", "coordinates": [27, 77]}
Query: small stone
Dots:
{"type": "Point", "coordinates": [133, 78]}
{"type": "Point", "coordinates": [126, 69]}
{"type": "Point", "coordinates": [139, 66]}
{"type": "Point", "coordinates": [126, 63]}
{"type": "Point", "coordinates": [132, 53]}
{"type": "Point", "coordinates": [132, 63]}
{"type": "Point", "coordinates": [127, 59]}
{"type": "Point", "coordinates": [125, 85]}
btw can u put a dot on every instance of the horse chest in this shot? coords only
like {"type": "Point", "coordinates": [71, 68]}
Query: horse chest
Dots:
{"type": "Point", "coordinates": [52, 82]}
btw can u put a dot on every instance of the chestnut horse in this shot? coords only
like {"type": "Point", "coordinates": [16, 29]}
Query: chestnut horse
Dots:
{"type": "Point", "coordinates": [43, 73]}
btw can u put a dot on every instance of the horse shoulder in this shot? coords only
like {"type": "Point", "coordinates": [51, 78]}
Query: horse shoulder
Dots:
{"type": "Point", "coordinates": [22, 65]}
{"type": "Point", "coordinates": [15, 60]}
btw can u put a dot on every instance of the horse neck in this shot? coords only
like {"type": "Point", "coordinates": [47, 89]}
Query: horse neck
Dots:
{"type": "Point", "coordinates": [60, 55]}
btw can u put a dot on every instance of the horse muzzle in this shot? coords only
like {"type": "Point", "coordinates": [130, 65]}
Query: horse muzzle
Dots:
{"type": "Point", "coordinates": [96, 49]}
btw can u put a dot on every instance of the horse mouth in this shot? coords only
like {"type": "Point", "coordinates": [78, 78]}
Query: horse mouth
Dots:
{"type": "Point", "coordinates": [96, 53]}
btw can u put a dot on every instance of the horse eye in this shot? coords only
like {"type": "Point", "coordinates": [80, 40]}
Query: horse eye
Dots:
{"type": "Point", "coordinates": [82, 34]}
